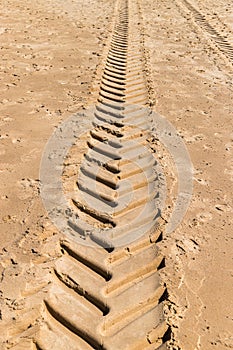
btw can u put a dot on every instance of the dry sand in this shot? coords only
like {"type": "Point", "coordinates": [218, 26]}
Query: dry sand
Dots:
{"type": "Point", "coordinates": [50, 51]}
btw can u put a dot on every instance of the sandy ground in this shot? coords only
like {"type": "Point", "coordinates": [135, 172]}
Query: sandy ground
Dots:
{"type": "Point", "coordinates": [193, 86]}
{"type": "Point", "coordinates": [50, 51]}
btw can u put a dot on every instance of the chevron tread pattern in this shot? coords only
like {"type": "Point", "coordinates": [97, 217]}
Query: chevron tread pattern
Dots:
{"type": "Point", "coordinates": [108, 295]}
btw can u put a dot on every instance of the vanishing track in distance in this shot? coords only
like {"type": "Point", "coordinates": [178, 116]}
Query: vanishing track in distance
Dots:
{"type": "Point", "coordinates": [218, 39]}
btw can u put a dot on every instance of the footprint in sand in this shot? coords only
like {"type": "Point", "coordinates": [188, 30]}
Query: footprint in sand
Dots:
{"type": "Point", "coordinates": [28, 188]}
{"type": "Point", "coordinates": [30, 156]}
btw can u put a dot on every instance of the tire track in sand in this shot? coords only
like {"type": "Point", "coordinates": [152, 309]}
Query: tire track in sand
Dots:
{"type": "Point", "coordinates": [219, 40]}
{"type": "Point", "coordinates": [109, 295]}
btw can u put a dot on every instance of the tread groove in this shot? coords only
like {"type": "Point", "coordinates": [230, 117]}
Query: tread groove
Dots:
{"type": "Point", "coordinates": [75, 330]}
{"type": "Point", "coordinates": [103, 273]}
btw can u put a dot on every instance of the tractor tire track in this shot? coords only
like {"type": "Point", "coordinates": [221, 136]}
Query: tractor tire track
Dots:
{"type": "Point", "coordinates": [216, 20]}
{"type": "Point", "coordinates": [219, 40]}
{"type": "Point", "coordinates": [109, 295]}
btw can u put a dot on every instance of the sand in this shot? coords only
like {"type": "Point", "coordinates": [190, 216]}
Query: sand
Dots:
{"type": "Point", "coordinates": [51, 57]}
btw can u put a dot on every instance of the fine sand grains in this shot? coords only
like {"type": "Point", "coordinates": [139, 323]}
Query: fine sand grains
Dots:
{"type": "Point", "coordinates": [50, 51]}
